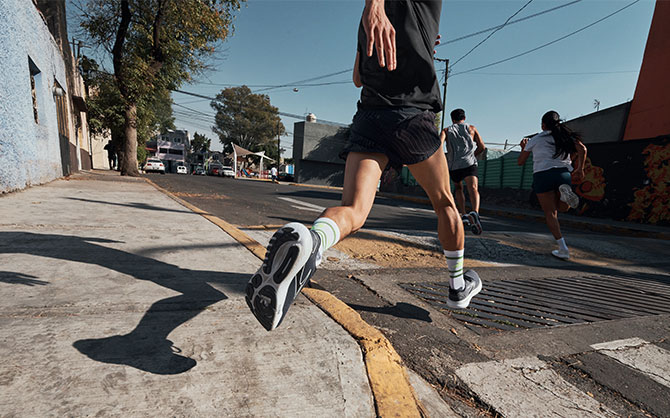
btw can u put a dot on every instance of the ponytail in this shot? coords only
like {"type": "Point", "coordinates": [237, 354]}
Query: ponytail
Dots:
{"type": "Point", "coordinates": [564, 138]}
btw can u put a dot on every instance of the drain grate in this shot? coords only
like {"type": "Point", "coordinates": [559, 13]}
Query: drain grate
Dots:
{"type": "Point", "coordinates": [534, 303]}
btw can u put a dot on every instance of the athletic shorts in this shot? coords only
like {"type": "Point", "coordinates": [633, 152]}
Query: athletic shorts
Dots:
{"type": "Point", "coordinates": [405, 135]}
{"type": "Point", "coordinates": [459, 175]}
{"type": "Point", "coordinates": [548, 180]}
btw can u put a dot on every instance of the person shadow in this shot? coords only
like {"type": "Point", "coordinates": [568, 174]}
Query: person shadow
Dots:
{"type": "Point", "coordinates": [146, 347]}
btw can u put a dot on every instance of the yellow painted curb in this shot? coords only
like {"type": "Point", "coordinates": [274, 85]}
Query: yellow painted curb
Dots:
{"type": "Point", "coordinates": [391, 390]}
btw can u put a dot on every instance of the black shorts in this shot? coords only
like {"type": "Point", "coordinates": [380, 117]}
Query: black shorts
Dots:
{"type": "Point", "coordinates": [549, 180]}
{"type": "Point", "coordinates": [459, 175]}
{"type": "Point", "coordinates": [405, 135]}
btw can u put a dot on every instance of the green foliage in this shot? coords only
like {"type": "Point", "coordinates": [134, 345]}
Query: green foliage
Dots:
{"type": "Point", "coordinates": [200, 143]}
{"type": "Point", "coordinates": [248, 120]}
{"type": "Point", "coordinates": [155, 46]}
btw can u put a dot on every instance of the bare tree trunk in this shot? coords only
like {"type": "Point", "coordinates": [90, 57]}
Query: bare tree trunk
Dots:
{"type": "Point", "coordinates": [129, 159]}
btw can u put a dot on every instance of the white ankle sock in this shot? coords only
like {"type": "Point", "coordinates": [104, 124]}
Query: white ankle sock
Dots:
{"type": "Point", "coordinates": [455, 266]}
{"type": "Point", "coordinates": [561, 244]}
{"type": "Point", "coordinates": [329, 233]}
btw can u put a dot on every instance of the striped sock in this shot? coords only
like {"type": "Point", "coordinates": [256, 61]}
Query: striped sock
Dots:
{"type": "Point", "coordinates": [329, 233]}
{"type": "Point", "coordinates": [455, 266]}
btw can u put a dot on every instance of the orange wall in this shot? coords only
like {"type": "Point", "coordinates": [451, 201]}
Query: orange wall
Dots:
{"type": "Point", "coordinates": [649, 114]}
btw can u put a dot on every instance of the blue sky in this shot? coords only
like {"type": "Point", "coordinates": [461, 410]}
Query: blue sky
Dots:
{"type": "Point", "coordinates": [278, 42]}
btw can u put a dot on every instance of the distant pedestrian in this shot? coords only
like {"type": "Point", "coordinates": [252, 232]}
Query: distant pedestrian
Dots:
{"type": "Point", "coordinates": [111, 155]}
{"type": "Point", "coordinates": [555, 150]}
{"type": "Point", "coordinates": [464, 145]}
{"type": "Point", "coordinates": [394, 125]}
{"type": "Point", "coordinates": [273, 174]}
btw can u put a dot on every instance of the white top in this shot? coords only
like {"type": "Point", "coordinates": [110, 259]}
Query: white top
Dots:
{"type": "Point", "coordinates": [273, 171]}
{"type": "Point", "coordinates": [543, 148]}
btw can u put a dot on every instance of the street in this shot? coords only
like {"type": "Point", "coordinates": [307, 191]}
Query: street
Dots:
{"type": "Point", "coordinates": [591, 328]}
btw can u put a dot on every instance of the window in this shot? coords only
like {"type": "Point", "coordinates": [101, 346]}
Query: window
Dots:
{"type": "Point", "coordinates": [35, 82]}
{"type": "Point", "coordinates": [176, 152]}
{"type": "Point", "coordinates": [163, 150]}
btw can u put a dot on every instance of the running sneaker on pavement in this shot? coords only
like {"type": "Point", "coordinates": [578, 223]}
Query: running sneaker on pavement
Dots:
{"type": "Point", "coordinates": [568, 196]}
{"type": "Point", "coordinates": [466, 221]}
{"type": "Point", "coordinates": [460, 299]}
{"type": "Point", "coordinates": [562, 254]}
{"type": "Point", "coordinates": [476, 224]}
{"type": "Point", "coordinates": [289, 263]}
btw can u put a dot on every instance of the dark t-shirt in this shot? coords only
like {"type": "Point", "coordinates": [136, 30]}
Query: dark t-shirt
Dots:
{"type": "Point", "coordinates": [414, 82]}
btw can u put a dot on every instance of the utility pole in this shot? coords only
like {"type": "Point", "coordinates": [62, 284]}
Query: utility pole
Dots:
{"type": "Point", "coordinates": [278, 146]}
{"type": "Point", "coordinates": [444, 93]}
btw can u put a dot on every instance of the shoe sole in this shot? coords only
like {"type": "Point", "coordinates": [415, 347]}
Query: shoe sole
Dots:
{"type": "Point", "coordinates": [475, 224]}
{"type": "Point", "coordinates": [560, 257]}
{"type": "Point", "coordinates": [568, 196]}
{"type": "Point", "coordinates": [462, 304]}
{"type": "Point", "coordinates": [287, 253]}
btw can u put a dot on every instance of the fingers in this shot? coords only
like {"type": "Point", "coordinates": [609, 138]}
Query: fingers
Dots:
{"type": "Point", "coordinates": [390, 50]}
{"type": "Point", "coordinates": [379, 41]}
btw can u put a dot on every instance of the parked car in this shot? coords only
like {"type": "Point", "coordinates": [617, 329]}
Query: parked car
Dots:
{"type": "Point", "coordinates": [285, 177]}
{"type": "Point", "coordinates": [154, 165]}
{"type": "Point", "coordinates": [181, 169]}
{"type": "Point", "coordinates": [227, 171]}
{"type": "Point", "coordinates": [214, 170]}
{"type": "Point", "coordinates": [199, 171]}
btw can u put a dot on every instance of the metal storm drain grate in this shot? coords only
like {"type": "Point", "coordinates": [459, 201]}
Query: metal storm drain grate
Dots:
{"type": "Point", "coordinates": [546, 302]}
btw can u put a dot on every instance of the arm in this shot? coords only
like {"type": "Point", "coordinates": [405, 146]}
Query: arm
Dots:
{"type": "Point", "coordinates": [580, 160]}
{"type": "Point", "coordinates": [357, 75]}
{"type": "Point", "coordinates": [380, 33]}
{"type": "Point", "coordinates": [524, 154]}
{"type": "Point", "coordinates": [443, 135]}
{"type": "Point", "coordinates": [478, 140]}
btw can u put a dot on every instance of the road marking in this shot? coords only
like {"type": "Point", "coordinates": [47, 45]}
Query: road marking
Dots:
{"type": "Point", "coordinates": [523, 386]}
{"type": "Point", "coordinates": [298, 204]}
{"type": "Point", "coordinates": [651, 360]}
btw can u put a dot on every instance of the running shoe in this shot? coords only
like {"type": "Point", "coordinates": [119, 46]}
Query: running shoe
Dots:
{"type": "Point", "coordinates": [460, 299]}
{"type": "Point", "coordinates": [562, 254]}
{"type": "Point", "coordinates": [568, 196]}
{"type": "Point", "coordinates": [475, 223]}
{"type": "Point", "coordinates": [466, 221]}
{"type": "Point", "coordinates": [289, 263]}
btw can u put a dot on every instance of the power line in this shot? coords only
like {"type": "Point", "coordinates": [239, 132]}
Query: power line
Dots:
{"type": "Point", "coordinates": [548, 43]}
{"type": "Point", "coordinates": [290, 115]}
{"type": "Point", "coordinates": [556, 74]}
{"type": "Point", "coordinates": [492, 33]}
{"type": "Point", "coordinates": [305, 80]}
{"type": "Point", "coordinates": [460, 38]}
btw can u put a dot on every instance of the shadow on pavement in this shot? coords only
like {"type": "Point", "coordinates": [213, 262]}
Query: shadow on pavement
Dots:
{"type": "Point", "coordinates": [20, 278]}
{"type": "Point", "coordinates": [146, 347]}
{"type": "Point", "coordinates": [135, 205]}
{"type": "Point", "coordinates": [400, 310]}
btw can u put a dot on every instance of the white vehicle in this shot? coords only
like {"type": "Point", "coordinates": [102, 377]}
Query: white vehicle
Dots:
{"type": "Point", "coordinates": [181, 169]}
{"type": "Point", "coordinates": [154, 165]}
{"type": "Point", "coordinates": [227, 171]}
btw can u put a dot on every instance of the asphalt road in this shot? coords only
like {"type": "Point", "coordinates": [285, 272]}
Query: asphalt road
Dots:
{"type": "Point", "coordinates": [617, 288]}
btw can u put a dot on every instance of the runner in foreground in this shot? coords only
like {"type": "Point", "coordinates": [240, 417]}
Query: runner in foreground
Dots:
{"type": "Point", "coordinates": [394, 124]}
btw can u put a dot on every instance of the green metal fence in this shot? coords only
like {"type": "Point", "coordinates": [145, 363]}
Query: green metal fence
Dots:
{"type": "Point", "coordinates": [498, 173]}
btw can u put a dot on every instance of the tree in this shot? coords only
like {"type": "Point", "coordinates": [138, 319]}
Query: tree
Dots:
{"type": "Point", "coordinates": [200, 143]}
{"type": "Point", "coordinates": [106, 111]}
{"type": "Point", "coordinates": [155, 46]}
{"type": "Point", "coordinates": [248, 120]}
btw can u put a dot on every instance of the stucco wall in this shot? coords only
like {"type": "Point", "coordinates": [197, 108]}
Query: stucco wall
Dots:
{"type": "Point", "coordinates": [29, 151]}
{"type": "Point", "coordinates": [316, 149]}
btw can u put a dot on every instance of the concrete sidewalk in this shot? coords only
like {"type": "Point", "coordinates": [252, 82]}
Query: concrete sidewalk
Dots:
{"type": "Point", "coordinates": [119, 301]}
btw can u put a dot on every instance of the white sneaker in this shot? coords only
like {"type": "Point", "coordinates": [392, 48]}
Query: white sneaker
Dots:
{"type": "Point", "coordinates": [568, 196]}
{"type": "Point", "coordinates": [562, 254]}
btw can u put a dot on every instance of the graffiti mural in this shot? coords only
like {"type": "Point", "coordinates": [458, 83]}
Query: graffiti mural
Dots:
{"type": "Point", "coordinates": [627, 181]}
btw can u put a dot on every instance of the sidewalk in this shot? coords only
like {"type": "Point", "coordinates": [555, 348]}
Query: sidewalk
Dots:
{"type": "Point", "coordinates": [117, 300]}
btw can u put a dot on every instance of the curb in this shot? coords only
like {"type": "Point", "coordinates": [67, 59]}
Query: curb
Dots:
{"type": "Point", "coordinates": [391, 390]}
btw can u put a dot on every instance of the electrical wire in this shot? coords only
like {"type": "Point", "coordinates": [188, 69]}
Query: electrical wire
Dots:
{"type": "Point", "coordinates": [492, 33]}
{"type": "Point", "coordinates": [548, 43]}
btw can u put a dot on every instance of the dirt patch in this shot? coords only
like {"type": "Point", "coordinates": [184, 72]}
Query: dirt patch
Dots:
{"type": "Point", "coordinates": [392, 252]}
{"type": "Point", "coordinates": [200, 195]}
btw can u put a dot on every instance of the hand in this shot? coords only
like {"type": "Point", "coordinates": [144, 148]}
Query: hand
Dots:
{"type": "Point", "coordinates": [437, 42]}
{"type": "Point", "coordinates": [380, 34]}
{"type": "Point", "coordinates": [523, 143]}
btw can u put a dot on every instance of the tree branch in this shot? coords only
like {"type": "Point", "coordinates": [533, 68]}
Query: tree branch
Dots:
{"type": "Point", "coordinates": [117, 51]}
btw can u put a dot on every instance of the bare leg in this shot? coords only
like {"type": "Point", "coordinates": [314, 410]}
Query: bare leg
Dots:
{"type": "Point", "coordinates": [433, 175]}
{"type": "Point", "coordinates": [548, 203]}
{"type": "Point", "coordinates": [459, 195]}
{"type": "Point", "coordinates": [472, 183]}
{"type": "Point", "coordinates": [361, 176]}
